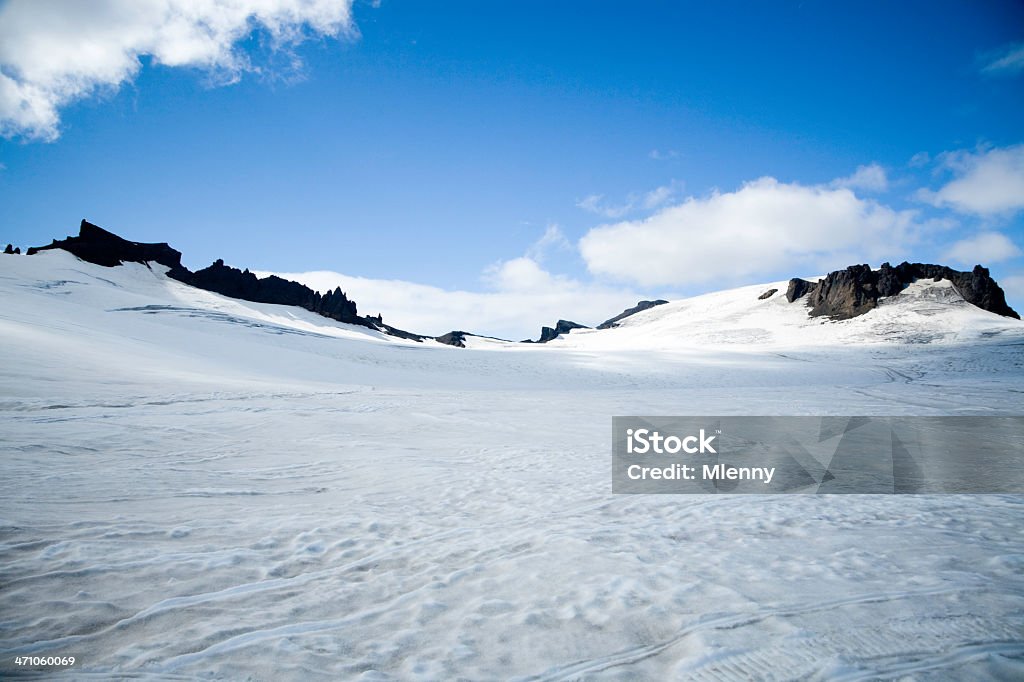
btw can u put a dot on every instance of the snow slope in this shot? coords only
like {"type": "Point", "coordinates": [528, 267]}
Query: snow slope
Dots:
{"type": "Point", "coordinates": [926, 312]}
{"type": "Point", "coordinates": [194, 486]}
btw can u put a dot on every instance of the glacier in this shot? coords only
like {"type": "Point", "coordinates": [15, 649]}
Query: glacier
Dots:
{"type": "Point", "coordinates": [200, 487]}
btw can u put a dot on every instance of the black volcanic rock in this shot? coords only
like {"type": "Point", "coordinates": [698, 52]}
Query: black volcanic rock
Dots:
{"type": "Point", "coordinates": [856, 290]}
{"type": "Point", "coordinates": [639, 307]}
{"type": "Point", "coordinates": [458, 338]}
{"type": "Point", "coordinates": [96, 245]}
{"type": "Point", "coordinates": [453, 338]}
{"type": "Point", "coordinates": [797, 288]}
{"type": "Point", "coordinates": [228, 281]}
{"type": "Point", "coordinates": [845, 293]}
{"type": "Point", "coordinates": [561, 327]}
{"type": "Point", "coordinates": [9, 250]}
{"type": "Point", "coordinates": [768, 294]}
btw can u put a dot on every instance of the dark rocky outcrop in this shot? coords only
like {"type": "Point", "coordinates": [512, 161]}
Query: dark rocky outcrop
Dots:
{"type": "Point", "coordinates": [797, 288]}
{"type": "Point", "coordinates": [856, 290]}
{"type": "Point", "coordinates": [768, 294]}
{"type": "Point", "coordinates": [639, 307]}
{"type": "Point", "coordinates": [551, 333]}
{"type": "Point", "coordinates": [453, 338]}
{"type": "Point", "coordinates": [458, 338]}
{"type": "Point", "coordinates": [229, 281]}
{"type": "Point", "coordinates": [12, 250]}
{"type": "Point", "coordinates": [96, 245]}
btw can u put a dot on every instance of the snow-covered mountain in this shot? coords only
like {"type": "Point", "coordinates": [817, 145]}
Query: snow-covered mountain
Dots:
{"type": "Point", "coordinates": [194, 485]}
{"type": "Point", "coordinates": [925, 312]}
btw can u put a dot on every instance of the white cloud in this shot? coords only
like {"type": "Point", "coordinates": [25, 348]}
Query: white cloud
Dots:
{"type": "Point", "coordinates": [646, 201]}
{"type": "Point", "coordinates": [659, 155]}
{"type": "Point", "coordinates": [53, 52]}
{"type": "Point", "coordinates": [764, 227]}
{"type": "Point", "coordinates": [986, 182]}
{"type": "Point", "coordinates": [1006, 61]}
{"type": "Point", "coordinates": [1013, 287]}
{"type": "Point", "coordinates": [983, 248]}
{"type": "Point", "coordinates": [522, 275]}
{"type": "Point", "coordinates": [869, 178]}
{"type": "Point", "coordinates": [519, 297]}
{"type": "Point", "coordinates": [553, 239]}
{"type": "Point", "coordinates": [919, 160]}
{"type": "Point", "coordinates": [523, 298]}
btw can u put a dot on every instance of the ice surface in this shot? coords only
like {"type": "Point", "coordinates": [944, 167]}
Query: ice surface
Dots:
{"type": "Point", "coordinates": [195, 486]}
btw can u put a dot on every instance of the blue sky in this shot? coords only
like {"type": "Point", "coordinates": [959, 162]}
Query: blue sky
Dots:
{"type": "Point", "coordinates": [458, 162]}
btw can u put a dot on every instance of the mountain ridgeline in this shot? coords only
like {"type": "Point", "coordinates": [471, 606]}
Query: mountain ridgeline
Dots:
{"type": "Point", "coordinates": [840, 295]}
{"type": "Point", "coordinates": [96, 245]}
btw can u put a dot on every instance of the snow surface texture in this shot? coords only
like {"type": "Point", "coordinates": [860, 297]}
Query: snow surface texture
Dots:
{"type": "Point", "coordinates": [200, 487]}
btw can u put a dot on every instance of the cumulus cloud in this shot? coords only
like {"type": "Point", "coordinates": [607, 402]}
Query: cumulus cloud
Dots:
{"type": "Point", "coordinates": [522, 297]}
{"type": "Point", "coordinates": [983, 248]}
{"type": "Point", "coordinates": [986, 182]}
{"type": "Point", "coordinates": [518, 296]}
{"type": "Point", "coordinates": [636, 201]}
{"type": "Point", "coordinates": [870, 178]}
{"type": "Point", "coordinates": [54, 52]}
{"type": "Point", "coordinates": [1008, 60]}
{"type": "Point", "coordinates": [765, 227]}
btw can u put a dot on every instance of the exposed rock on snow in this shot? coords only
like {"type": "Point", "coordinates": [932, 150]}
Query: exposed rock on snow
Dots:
{"type": "Point", "coordinates": [96, 245]}
{"type": "Point", "coordinates": [454, 338]}
{"type": "Point", "coordinates": [551, 333]}
{"type": "Point", "coordinates": [857, 289]}
{"type": "Point", "coordinates": [639, 307]}
{"type": "Point", "coordinates": [201, 487]}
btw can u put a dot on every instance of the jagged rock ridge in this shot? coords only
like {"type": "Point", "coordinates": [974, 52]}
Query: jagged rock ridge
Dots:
{"type": "Point", "coordinates": [639, 307]}
{"type": "Point", "coordinates": [96, 245]}
{"type": "Point", "coordinates": [856, 290]}
{"type": "Point", "coordinates": [551, 333]}
{"type": "Point", "coordinates": [235, 283]}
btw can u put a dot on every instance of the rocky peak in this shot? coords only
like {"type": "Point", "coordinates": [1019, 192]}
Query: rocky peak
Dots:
{"type": "Point", "coordinates": [854, 291]}
{"type": "Point", "coordinates": [96, 245]}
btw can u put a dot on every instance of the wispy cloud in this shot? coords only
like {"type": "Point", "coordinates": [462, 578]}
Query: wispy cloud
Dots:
{"type": "Point", "coordinates": [553, 239]}
{"type": "Point", "coordinates": [663, 154]}
{"type": "Point", "coordinates": [987, 182]}
{"type": "Point", "coordinates": [764, 227]}
{"type": "Point", "coordinates": [642, 201]}
{"type": "Point", "coordinates": [1008, 60]}
{"type": "Point", "coordinates": [53, 53]}
{"type": "Point", "coordinates": [919, 160]}
{"type": "Point", "coordinates": [870, 178]}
